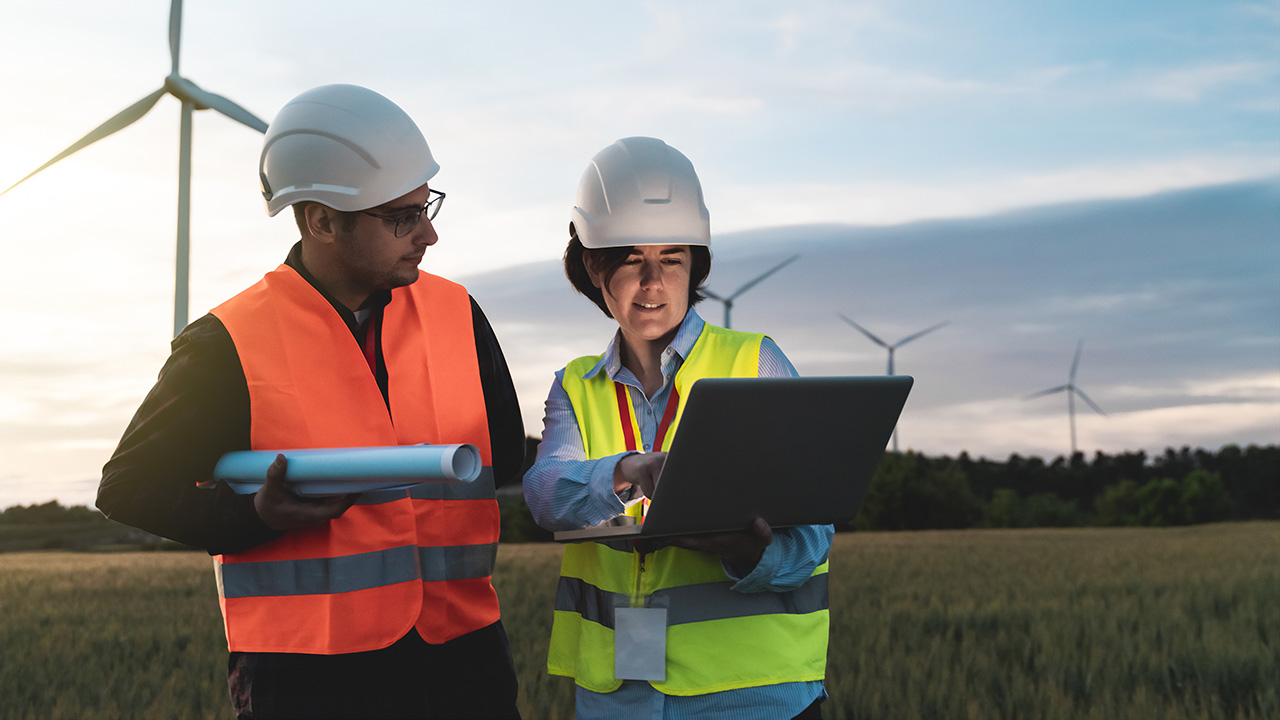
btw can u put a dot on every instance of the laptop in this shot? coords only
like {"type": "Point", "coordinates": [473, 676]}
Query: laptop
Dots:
{"type": "Point", "coordinates": [794, 451]}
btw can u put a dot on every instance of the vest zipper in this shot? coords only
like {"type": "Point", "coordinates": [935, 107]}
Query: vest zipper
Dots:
{"type": "Point", "coordinates": [637, 595]}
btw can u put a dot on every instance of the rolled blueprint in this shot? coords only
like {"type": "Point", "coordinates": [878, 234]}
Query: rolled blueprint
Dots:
{"type": "Point", "coordinates": [336, 471]}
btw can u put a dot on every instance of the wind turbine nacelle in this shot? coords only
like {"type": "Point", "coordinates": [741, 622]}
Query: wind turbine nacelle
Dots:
{"type": "Point", "coordinates": [186, 91]}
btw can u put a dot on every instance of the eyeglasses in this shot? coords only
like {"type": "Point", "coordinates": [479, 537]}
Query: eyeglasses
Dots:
{"type": "Point", "coordinates": [407, 222]}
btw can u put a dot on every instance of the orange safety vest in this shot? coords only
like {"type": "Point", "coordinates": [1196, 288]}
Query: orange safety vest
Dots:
{"type": "Point", "coordinates": [419, 558]}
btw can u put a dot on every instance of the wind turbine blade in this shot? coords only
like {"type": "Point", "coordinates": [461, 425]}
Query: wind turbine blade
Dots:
{"type": "Point", "coordinates": [175, 34]}
{"type": "Point", "coordinates": [909, 338]}
{"type": "Point", "coordinates": [232, 110]}
{"type": "Point", "coordinates": [1085, 398]}
{"type": "Point", "coordinates": [711, 295]}
{"type": "Point", "coordinates": [1076, 362]}
{"type": "Point", "coordinates": [1050, 391]}
{"type": "Point", "coordinates": [753, 283]}
{"type": "Point", "coordinates": [866, 332]}
{"type": "Point", "coordinates": [121, 120]}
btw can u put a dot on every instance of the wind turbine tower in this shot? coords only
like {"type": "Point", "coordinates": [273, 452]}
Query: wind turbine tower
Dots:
{"type": "Point", "coordinates": [891, 348]}
{"type": "Point", "coordinates": [1072, 390]}
{"type": "Point", "coordinates": [728, 299]}
{"type": "Point", "coordinates": [192, 98]}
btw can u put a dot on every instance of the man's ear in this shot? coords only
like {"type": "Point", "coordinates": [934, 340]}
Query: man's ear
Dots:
{"type": "Point", "coordinates": [322, 222]}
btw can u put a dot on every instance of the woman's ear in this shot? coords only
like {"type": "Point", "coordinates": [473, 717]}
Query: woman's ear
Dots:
{"type": "Point", "coordinates": [591, 272]}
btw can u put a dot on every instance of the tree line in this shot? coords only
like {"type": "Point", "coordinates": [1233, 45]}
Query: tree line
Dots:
{"type": "Point", "coordinates": [48, 513]}
{"type": "Point", "coordinates": [913, 491]}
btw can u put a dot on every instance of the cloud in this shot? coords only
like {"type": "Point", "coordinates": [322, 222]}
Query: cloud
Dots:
{"type": "Point", "coordinates": [884, 89]}
{"type": "Point", "coordinates": [997, 429]}
{"type": "Point", "coordinates": [1195, 84]}
{"type": "Point", "coordinates": [891, 203]}
{"type": "Point", "coordinates": [1268, 11]}
{"type": "Point", "coordinates": [1261, 388]}
{"type": "Point", "coordinates": [789, 27]}
{"type": "Point", "coordinates": [1019, 289]}
{"type": "Point", "coordinates": [1109, 302]}
{"type": "Point", "coordinates": [646, 103]}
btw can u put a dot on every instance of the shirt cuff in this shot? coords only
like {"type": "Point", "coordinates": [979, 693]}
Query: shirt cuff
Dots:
{"type": "Point", "coordinates": [758, 579]}
{"type": "Point", "coordinates": [601, 484]}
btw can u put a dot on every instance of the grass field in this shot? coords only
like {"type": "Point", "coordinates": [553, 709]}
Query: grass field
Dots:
{"type": "Point", "coordinates": [1081, 623]}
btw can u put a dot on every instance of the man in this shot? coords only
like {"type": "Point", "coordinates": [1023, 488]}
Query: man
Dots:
{"type": "Point", "coordinates": [371, 605]}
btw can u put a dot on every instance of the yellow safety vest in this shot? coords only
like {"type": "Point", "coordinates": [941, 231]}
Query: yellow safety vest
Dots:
{"type": "Point", "coordinates": [717, 639]}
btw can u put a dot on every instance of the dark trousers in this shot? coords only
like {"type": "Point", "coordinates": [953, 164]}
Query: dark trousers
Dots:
{"type": "Point", "coordinates": [469, 677]}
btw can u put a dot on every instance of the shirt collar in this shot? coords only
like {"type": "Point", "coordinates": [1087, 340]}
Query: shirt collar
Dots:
{"type": "Point", "coordinates": [680, 346]}
{"type": "Point", "coordinates": [379, 299]}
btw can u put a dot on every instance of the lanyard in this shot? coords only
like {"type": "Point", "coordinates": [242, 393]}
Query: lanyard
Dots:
{"type": "Point", "coordinates": [629, 426]}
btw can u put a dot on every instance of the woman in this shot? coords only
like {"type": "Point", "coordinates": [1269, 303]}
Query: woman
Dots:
{"type": "Point", "coordinates": [735, 625]}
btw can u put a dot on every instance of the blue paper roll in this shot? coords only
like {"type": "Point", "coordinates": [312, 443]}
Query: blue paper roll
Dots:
{"type": "Point", "coordinates": [336, 471]}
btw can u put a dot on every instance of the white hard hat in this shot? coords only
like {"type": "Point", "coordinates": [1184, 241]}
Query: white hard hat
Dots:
{"type": "Point", "coordinates": [640, 191]}
{"type": "Point", "coordinates": [344, 146]}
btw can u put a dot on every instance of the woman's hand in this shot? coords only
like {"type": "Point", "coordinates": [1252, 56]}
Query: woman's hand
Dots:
{"type": "Point", "coordinates": [741, 550]}
{"type": "Point", "coordinates": [640, 470]}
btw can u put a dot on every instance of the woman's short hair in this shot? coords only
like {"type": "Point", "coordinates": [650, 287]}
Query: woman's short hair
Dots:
{"type": "Point", "coordinates": [606, 261]}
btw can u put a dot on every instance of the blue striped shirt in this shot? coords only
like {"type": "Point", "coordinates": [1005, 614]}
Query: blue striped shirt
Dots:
{"type": "Point", "coordinates": [566, 490]}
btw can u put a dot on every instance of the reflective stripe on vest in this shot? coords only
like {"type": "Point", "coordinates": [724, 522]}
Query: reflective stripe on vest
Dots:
{"type": "Point", "coordinates": [396, 560]}
{"type": "Point", "coordinates": [316, 576]}
{"type": "Point", "coordinates": [717, 639]}
{"type": "Point", "coordinates": [693, 603]}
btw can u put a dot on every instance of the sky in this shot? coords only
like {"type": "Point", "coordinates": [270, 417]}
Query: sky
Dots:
{"type": "Point", "coordinates": [870, 115]}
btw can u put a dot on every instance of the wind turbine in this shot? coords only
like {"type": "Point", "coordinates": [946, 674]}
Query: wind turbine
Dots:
{"type": "Point", "coordinates": [192, 98]}
{"type": "Point", "coordinates": [1072, 391]}
{"type": "Point", "coordinates": [891, 348]}
{"type": "Point", "coordinates": [728, 300]}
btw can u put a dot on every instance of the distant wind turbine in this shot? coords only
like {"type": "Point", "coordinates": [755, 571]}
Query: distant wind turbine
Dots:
{"type": "Point", "coordinates": [728, 300]}
{"type": "Point", "coordinates": [891, 348]}
{"type": "Point", "coordinates": [1072, 391]}
{"type": "Point", "coordinates": [192, 98]}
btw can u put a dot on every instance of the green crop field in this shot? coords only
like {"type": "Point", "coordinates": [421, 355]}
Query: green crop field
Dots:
{"type": "Point", "coordinates": [1081, 623]}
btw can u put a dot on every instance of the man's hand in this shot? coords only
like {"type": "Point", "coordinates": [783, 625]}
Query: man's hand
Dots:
{"type": "Point", "coordinates": [641, 470]}
{"type": "Point", "coordinates": [282, 510]}
{"type": "Point", "coordinates": [742, 550]}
